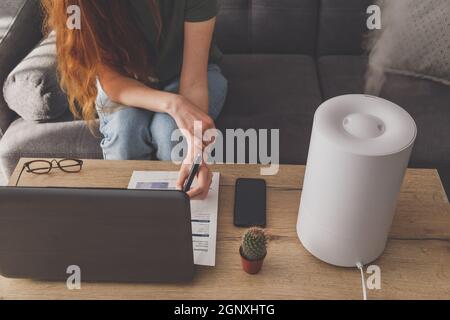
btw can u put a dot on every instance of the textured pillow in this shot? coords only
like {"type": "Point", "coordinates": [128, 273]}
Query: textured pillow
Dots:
{"type": "Point", "coordinates": [32, 88]}
{"type": "Point", "coordinates": [414, 41]}
{"type": "Point", "coordinates": [20, 31]}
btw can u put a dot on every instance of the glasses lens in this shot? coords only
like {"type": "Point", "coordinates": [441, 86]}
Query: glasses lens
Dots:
{"type": "Point", "coordinates": [69, 165]}
{"type": "Point", "coordinates": [39, 167]}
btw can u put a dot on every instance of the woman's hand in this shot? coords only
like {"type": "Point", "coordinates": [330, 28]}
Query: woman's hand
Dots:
{"type": "Point", "coordinates": [186, 114]}
{"type": "Point", "coordinates": [204, 179]}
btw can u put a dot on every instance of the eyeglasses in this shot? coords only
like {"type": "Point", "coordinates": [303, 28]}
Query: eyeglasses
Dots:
{"type": "Point", "coordinates": [44, 166]}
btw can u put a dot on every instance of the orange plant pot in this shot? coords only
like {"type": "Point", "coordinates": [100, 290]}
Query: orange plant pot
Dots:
{"type": "Point", "coordinates": [251, 266]}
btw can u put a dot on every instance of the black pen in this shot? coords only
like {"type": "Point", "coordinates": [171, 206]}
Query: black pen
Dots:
{"type": "Point", "coordinates": [192, 173]}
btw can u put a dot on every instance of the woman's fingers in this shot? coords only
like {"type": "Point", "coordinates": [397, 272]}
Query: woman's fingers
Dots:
{"type": "Point", "coordinates": [188, 121]}
{"type": "Point", "coordinates": [204, 179]}
{"type": "Point", "coordinates": [182, 176]}
{"type": "Point", "coordinates": [205, 189]}
{"type": "Point", "coordinates": [201, 189]}
{"type": "Point", "coordinates": [206, 121]}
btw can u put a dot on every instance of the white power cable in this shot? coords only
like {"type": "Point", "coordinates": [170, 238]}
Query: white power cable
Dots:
{"type": "Point", "coordinates": [363, 281]}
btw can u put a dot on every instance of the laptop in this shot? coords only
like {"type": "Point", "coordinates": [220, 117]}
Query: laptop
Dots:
{"type": "Point", "coordinates": [111, 235]}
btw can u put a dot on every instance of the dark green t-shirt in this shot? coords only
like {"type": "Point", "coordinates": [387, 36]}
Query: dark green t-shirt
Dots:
{"type": "Point", "coordinates": [168, 53]}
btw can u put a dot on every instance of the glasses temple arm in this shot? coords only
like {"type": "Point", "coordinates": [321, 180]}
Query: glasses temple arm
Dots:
{"type": "Point", "coordinates": [20, 175]}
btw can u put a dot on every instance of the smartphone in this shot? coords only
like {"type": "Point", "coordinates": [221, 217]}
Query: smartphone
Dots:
{"type": "Point", "coordinates": [250, 203]}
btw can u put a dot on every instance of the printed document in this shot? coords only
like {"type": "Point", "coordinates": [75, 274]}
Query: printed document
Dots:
{"type": "Point", "coordinates": [203, 212]}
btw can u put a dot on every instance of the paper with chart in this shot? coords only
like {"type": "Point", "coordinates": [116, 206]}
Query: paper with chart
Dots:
{"type": "Point", "coordinates": [203, 212]}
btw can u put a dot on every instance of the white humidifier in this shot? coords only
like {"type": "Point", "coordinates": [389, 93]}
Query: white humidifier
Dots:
{"type": "Point", "coordinates": [359, 151]}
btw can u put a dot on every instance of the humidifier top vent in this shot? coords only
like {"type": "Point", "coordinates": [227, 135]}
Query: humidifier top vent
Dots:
{"type": "Point", "coordinates": [365, 125]}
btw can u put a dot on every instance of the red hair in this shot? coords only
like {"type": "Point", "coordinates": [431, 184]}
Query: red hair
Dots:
{"type": "Point", "coordinates": [108, 36]}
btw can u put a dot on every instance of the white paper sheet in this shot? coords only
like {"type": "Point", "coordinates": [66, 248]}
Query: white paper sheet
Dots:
{"type": "Point", "coordinates": [203, 212]}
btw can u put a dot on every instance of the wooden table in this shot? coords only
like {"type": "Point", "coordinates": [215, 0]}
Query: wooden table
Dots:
{"type": "Point", "coordinates": [415, 265]}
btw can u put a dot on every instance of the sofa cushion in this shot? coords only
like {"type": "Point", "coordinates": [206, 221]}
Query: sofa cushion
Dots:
{"type": "Point", "coordinates": [32, 89]}
{"type": "Point", "coordinates": [342, 26]}
{"type": "Point", "coordinates": [343, 74]}
{"type": "Point", "coordinates": [267, 26]}
{"type": "Point", "coordinates": [63, 138]}
{"type": "Point", "coordinates": [20, 30]}
{"type": "Point", "coordinates": [414, 40]}
{"type": "Point", "coordinates": [273, 92]}
{"type": "Point", "coordinates": [426, 101]}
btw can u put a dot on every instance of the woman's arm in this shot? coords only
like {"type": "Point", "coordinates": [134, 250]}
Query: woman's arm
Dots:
{"type": "Point", "coordinates": [192, 103]}
{"type": "Point", "coordinates": [194, 74]}
{"type": "Point", "coordinates": [194, 87]}
{"type": "Point", "coordinates": [130, 92]}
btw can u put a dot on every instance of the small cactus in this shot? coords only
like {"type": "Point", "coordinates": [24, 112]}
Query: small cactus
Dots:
{"type": "Point", "coordinates": [254, 244]}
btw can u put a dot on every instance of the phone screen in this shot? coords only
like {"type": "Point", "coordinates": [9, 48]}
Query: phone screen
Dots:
{"type": "Point", "coordinates": [250, 203]}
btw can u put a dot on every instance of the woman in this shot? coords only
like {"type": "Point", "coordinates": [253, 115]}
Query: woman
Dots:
{"type": "Point", "coordinates": [146, 67]}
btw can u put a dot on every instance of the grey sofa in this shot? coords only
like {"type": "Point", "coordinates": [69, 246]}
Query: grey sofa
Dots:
{"type": "Point", "coordinates": [282, 59]}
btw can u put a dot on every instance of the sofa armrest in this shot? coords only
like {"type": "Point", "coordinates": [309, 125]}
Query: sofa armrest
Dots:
{"type": "Point", "coordinates": [20, 31]}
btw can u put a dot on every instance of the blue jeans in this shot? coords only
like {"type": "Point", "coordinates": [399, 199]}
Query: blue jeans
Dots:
{"type": "Point", "coordinates": [137, 134]}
